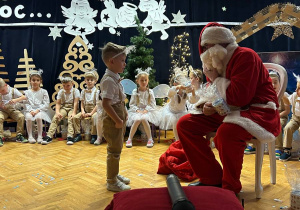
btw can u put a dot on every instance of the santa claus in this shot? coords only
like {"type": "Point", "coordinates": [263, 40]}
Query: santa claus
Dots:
{"type": "Point", "coordinates": [246, 88]}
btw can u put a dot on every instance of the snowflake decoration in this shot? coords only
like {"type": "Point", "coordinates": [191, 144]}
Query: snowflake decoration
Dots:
{"type": "Point", "coordinates": [178, 18]}
{"type": "Point", "coordinates": [118, 33]}
{"type": "Point", "coordinates": [224, 9]}
{"type": "Point", "coordinates": [90, 46]}
{"type": "Point", "coordinates": [55, 32]}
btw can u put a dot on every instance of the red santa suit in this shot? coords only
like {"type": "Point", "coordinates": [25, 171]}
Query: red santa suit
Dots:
{"type": "Point", "coordinates": [245, 85]}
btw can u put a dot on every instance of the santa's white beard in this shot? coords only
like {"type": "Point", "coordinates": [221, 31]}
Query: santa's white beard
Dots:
{"type": "Point", "coordinates": [213, 57]}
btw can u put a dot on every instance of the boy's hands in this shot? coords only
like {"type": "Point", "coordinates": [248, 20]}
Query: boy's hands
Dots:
{"type": "Point", "coordinates": [59, 116]}
{"type": "Point", "coordinates": [12, 101]}
{"type": "Point", "coordinates": [119, 124]}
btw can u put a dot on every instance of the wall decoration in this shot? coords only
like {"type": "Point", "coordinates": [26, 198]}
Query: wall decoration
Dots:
{"type": "Point", "coordinates": [280, 29]}
{"type": "Point", "coordinates": [112, 17]}
{"type": "Point", "coordinates": [55, 32]}
{"type": "Point", "coordinates": [156, 18]}
{"type": "Point", "coordinates": [288, 12]}
{"type": "Point", "coordinates": [80, 20]}
{"type": "Point", "coordinates": [178, 18]}
{"type": "Point", "coordinates": [26, 66]}
{"type": "Point", "coordinates": [2, 66]}
{"type": "Point", "coordinates": [77, 58]}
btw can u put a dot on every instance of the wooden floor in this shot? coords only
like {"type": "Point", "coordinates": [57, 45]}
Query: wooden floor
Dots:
{"type": "Point", "coordinates": [59, 176]}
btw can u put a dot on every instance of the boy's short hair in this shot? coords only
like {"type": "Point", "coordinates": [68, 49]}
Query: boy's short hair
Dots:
{"type": "Point", "coordinates": [66, 77]}
{"type": "Point", "coordinates": [110, 50]}
{"type": "Point", "coordinates": [92, 73]}
{"type": "Point", "coordinates": [2, 82]}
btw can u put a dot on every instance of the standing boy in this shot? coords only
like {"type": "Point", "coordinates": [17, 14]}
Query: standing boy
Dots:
{"type": "Point", "coordinates": [114, 114]}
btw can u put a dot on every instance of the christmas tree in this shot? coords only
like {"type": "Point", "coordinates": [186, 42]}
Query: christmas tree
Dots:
{"type": "Point", "coordinates": [142, 57]}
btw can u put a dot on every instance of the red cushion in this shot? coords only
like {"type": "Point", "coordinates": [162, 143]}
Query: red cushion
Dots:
{"type": "Point", "coordinates": [211, 198]}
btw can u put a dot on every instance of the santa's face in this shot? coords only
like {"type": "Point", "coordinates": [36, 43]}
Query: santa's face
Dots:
{"type": "Point", "coordinates": [213, 56]}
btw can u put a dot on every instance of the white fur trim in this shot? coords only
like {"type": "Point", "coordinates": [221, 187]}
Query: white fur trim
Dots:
{"type": "Point", "coordinates": [222, 84]}
{"type": "Point", "coordinates": [217, 35]}
{"type": "Point", "coordinates": [269, 105]}
{"type": "Point", "coordinates": [253, 128]}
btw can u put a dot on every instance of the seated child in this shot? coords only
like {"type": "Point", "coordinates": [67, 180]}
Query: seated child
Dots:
{"type": "Point", "coordinates": [66, 105]}
{"type": "Point", "coordinates": [88, 98]}
{"type": "Point", "coordinates": [176, 108]}
{"type": "Point", "coordinates": [284, 110]}
{"type": "Point", "coordinates": [196, 77]}
{"type": "Point", "coordinates": [142, 108]}
{"type": "Point", "coordinates": [293, 124]}
{"type": "Point", "coordinates": [114, 113]}
{"type": "Point", "coordinates": [37, 105]}
{"type": "Point", "coordinates": [8, 98]}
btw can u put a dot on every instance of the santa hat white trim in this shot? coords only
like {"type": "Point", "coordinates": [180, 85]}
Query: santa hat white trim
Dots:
{"type": "Point", "coordinates": [253, 128]}
{"type": "Point", "coordinates": [217, 35]}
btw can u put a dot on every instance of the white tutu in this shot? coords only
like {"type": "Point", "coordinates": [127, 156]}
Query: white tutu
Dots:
{"type": "Point", "coordinates": [168, 118]}
{"type": "Point", "coordinates": [151, 116]}
{"type": "Point", "coordinates": [41, 115]}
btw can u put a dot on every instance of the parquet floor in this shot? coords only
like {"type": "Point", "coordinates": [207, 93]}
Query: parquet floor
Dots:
{"type": "Point", "coordinates": [59, 176]}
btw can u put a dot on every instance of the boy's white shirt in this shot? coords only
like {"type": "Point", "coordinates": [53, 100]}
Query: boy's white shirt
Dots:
{"type": "Point", "coordinates": [110, 89]}
{"type": "Point", "coordinates": [6, 98]}
{"type": "Point", "coordinates": [68, 96]}
{"type": "Point", "coordinates": [292, 99]}
{"type": "Point", "coordinates": [89, 96]}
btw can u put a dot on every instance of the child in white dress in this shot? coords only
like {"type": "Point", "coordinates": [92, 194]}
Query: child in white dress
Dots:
{"type": "Point", "coordinates": [176, 108]}
{"type": "Point", "coordinates": [37, 105]}
{"type": "Point", "coordinates": [142, 108]}
{"type": "Point", "coordinates": [196, 77]}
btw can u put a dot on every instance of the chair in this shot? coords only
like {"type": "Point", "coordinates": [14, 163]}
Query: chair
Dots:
{"type": "Point", "coordinates": [271, 144]}
{"type": "Point", "coordinates": [259, 143]}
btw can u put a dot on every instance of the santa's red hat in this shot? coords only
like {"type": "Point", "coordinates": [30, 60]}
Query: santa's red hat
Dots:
{"type": "Point", "coordinates": [215, 33]}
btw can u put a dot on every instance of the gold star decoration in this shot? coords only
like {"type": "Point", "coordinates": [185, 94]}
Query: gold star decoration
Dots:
{"type": "Point", "coordinates": [282, 29]}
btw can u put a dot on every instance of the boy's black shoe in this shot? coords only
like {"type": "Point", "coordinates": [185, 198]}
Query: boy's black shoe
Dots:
{"type": "Point", "coordinates": [93, 139]}
{"type": "Point", "coordinates": [21, 138]}
{"type": "Point", "coordinates": [46, 140]}
{"type": "Point", "coordinates": [1, 142]}
{"type": "Point", "coordinates": [201, 184]}
{"type": "Point", "coordinates": [77, 138]}
{"type": "Point", "coordinates": [70, 140]}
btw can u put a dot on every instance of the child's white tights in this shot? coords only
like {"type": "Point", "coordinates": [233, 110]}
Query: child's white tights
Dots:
{"type": "Point", "coordinates": [39, 128]}
{"type": "Point", "coordinates": [135, 126]}
{"type": "Point", "coordinates": [99, 131]}
{"type": "Point", "coordinates": [175, 131]}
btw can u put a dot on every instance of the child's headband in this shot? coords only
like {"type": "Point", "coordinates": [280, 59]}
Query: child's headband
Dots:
{"type": "Point", "coordinates": [180, 73]}
{"type": "Point", "coordinates": [65, 79]}
{"type": "Point", "coordinates": [297, 77]}
{"type": "Point", "coordinates": [91, 72]}
{"type": "Point", "coordinates": [127, 50]}
{"type": "Point", "coordinates": [141, 71]}
{"type": "Point", "coordinates": [194, 72]}
{"type": "Point", "coordinates": [35, 72]}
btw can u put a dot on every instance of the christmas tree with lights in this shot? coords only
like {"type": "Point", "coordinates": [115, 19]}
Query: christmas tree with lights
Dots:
{"type": "Point", "coordinates": [142, 56]}
{"type": "Point", "coordinates": [180, 50]}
